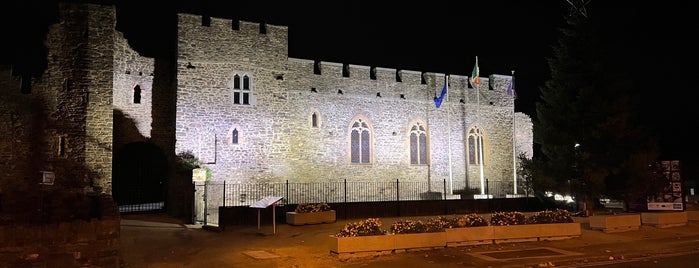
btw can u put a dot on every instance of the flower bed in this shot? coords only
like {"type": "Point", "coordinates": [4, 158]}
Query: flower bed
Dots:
{"type": "Point", "coordinates": [311, 214]}
{"type": "Point", "coordinates": [362, 236]}
{"type": "Point", "coordinates": [470, 229]}
{"type": "Point", "coordinates": [544, 225]}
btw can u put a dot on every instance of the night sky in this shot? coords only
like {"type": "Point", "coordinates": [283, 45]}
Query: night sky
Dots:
{"type": "Point", "coordinates": [654, 41]}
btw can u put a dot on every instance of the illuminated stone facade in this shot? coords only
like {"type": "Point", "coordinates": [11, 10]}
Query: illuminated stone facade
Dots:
{"type": "Point", "coordinates": [282, 119]}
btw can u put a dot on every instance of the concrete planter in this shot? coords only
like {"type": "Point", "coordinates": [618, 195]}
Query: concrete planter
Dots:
{"type": "Point", "coordinates": [421, 240]}
{"type": "Point", "coordinates": [535, 232]}
{"type": "Point", "coordinates": [378, 243]}
{"type": "Point", "coordinates": [559, 231]}
{"type": "Point", "coordinates": [456, 237]}
{"type": "Point", "coordinates": [469, 236]}
{"type": "Point", "coordinates": [355, 244]}
{"type": "Point", "coordinates": [615, 223]}
{"type": "Point", "coordinates": [294, 218]}
{"type": "Point", "coordinates": [692, 215]}
{"type": "Point", "coordinates": [664, 219]}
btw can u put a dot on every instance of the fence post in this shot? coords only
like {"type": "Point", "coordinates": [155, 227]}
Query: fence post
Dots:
{"type": "Point", "coordinates": [345, 196]}
{"type": "Point", "coordinates": [287, 192]}
{"type": "Point", "coordinates": [224, 193]}
{"type": "Point", "coordinates": [444, 182]}
{"type": "Point", "coordinates": [206, 201]}
{"type": "Point", "coordinates": [397, 199]}
{"type": "Point", "coordinates": [397, 191]}
{"type": "Point", "coordinates": [487, 189]}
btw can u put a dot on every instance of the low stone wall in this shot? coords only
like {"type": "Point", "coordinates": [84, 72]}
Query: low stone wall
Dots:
{"type": "Point", "coordinates": [664, 219]}
{"type": "Point", "coordinates": [294, 218]}
{"type": "Point", "coordinates": [76, 243]}
{"type": "Point", "coordinates": [615, 223]}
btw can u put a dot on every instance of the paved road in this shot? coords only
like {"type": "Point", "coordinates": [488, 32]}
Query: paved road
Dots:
{"type": "Point", "coordinates": [154, 241]}
{"type": "Point", "coordinates": [670, 260]}
{"type": "Point", "coordinates": [680, 252]}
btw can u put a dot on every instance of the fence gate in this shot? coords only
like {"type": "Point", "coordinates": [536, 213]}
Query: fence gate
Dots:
{"type": "Point", "coordinates": [207, 201]}
{"type": "Point", "coordinates": [199, 203]}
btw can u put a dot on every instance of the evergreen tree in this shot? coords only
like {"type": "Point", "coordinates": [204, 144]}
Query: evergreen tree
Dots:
{"type": "Point", "coordinates": [591, 140]}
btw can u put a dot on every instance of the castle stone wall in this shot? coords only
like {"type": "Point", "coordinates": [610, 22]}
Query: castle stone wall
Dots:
{"type": "Point", "coordinates": [63, 124]}
{"type": "Point", "coordinates": [132, 120]}
{"type": "Point", "coordinates": [276, 139]}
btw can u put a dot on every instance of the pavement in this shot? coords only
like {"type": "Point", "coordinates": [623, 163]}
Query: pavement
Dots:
{"type": "Point", "coordinates": [156, 240]}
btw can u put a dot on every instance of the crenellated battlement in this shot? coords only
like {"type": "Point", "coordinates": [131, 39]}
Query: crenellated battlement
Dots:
{"type": "Point", "coordinates": [203, 39]}
{"type": "Point", "coordinates": [408, 84]}
{"type": "Point", "coordinates": [223, 25]}
{"type": "Point", "coordinates": [217, 40]}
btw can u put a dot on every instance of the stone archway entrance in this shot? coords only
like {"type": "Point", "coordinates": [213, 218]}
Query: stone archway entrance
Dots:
{"type": "Point", "coordinates": [139, 180]}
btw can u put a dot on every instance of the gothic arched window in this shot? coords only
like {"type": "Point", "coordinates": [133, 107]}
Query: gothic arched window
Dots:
{"type": "Point", "coordinates": [475, 146]}
{"type": "Point", "coordinates": [418, 145]}
{"type": "Point", "coordinates": [360, 142]}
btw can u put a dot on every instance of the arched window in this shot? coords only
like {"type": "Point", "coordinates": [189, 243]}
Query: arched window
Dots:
{"type": "Point", "coordinates": [314, 119]}
{"type": "Point", "coordinates": [475, 146]}
{"type": "Point", "coordinates": [234, 136]}
{"type": "Point", "coordinates": [246, 82]}
{"type": "Point", "coordinates": [236, 81]}
{"type": "Point", "coordinates": [418, 145]}
{"type": "Point", "coordinates": [360, 142]}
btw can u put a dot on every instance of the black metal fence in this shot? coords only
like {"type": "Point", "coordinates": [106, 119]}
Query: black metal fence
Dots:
{"type": "Point", "coordinates": [210, 196]}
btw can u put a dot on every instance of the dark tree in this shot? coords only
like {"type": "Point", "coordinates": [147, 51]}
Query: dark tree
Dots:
{"type": "Point", "coordinates": [592, 142]}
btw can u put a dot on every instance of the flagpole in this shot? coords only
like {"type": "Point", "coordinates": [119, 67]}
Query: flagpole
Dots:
{"type": "Point", "coordinates": [514, 133]}
{"type": "Point", "coordinates": [429, 159]}
{"type": "Point", "coordinates": [451, 184]}
{"type": "Point", "coordinates": [480, 135]}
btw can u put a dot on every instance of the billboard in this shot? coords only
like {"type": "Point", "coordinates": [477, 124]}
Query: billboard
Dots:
{"type": "Point", "coordinates": [671, 197]}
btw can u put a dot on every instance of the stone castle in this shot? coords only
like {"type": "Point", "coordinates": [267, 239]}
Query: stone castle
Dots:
{"type": "Point", "coordinates": [233, 98]}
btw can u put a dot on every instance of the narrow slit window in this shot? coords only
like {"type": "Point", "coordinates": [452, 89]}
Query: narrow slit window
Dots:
{"type": "Point", "coordinates": [137, 94]}
{"type": "Point", "coordinates": [62, 140]}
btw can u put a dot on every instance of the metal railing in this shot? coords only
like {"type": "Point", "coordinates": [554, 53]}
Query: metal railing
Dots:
{"type": "Point", "coordinates": [212, 195]}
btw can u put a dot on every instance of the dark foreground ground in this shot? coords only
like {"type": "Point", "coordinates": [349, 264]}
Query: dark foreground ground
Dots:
{"type": "Point", "coordinates": [155, 240]}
